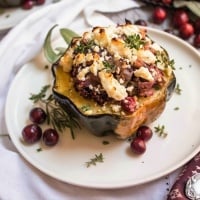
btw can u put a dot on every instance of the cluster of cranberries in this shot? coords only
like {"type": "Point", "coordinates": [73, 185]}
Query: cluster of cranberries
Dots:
{"type": "Point", "coordinates": [180, 22]}
{"type": "Point", "coordinates": [28, 4]}
{"type": "Point", "coordinates": [32, 133]}
{"type": "Point", "coordinates": [183, 23]}
{"type": "Point", "coordinates": [138, 144]}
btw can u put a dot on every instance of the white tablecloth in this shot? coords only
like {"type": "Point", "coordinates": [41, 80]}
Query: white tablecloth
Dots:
{"type": "Point", "coordinates": [18, 179]}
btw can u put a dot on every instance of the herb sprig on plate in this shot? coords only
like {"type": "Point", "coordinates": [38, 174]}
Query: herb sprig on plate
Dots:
{"type": "Point", "coordinates": [93, 161]}
{"type": "Point", "coordinates": [56, 116]}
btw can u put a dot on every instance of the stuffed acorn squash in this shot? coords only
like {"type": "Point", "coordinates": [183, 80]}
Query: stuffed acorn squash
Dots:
{"type": "Point", "coordinates": [114, 79]}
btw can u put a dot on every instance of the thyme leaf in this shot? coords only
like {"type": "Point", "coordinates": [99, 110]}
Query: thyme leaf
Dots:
{"type": "Point", "coordinates": [160, 130]}
{"type": "Point", "coordinates": [108, 66]}
{"type": "Point", "coordinates": [93, 161]}
{"type": "Point", "coordinates": [56, 115]}
{"type": "Point", "coordinates": [84, 47]}
{"type": "Point", "coordinates": [178, 90]}
{"type": "Point", "coordinates": [134, 41]}
{"type": "Point", "coordinates": [37, 97]}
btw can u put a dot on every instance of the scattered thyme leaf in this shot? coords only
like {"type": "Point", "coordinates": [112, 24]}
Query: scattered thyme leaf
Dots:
{"type": "Point", "coordinates": [85, 108]}
{"type": "Point", "coordinates": [39, 149]}
{"type": "Point", "coordinates": [172, 64]}
{"type": "Point", "coordinates": [176, 108]}
{"type": "Point", "coordinates": [98, 158]}
{"type": "Point", "coordinates": [178, 90]}
{"type": "Point", "coordinates": [105, 142]}
{"type": "Point", "coordinates": [38, 97]}
{"type": "Point", "coordinates": [160, 130]}
{"type": "Point", "coordinates": [134, 41]}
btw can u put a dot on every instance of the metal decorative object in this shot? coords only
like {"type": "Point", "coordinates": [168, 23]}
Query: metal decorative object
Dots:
{"type": "Point", "coordinates": [192, 188]}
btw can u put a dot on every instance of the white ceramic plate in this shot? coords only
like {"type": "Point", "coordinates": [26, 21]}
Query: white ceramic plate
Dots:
{"type": "Point", "coordinates": [13, 16]}
{"type": "Point", "coordinates": [121, 168]}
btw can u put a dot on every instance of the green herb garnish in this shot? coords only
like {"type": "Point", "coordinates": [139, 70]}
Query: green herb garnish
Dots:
{"type": "Point", "coordinates": [39, 149]}
{"type": "Point", "coordinates": [105, 142]}
{"type": "Point", "coordinates": [134, 41]}
{"type": "Point", "coordinates": [176, 108]}
{"type": "Point", "coordinates": [50, 54]}
{"type": "Point", "coordinates": [93, 161]}
{"type": "Point", "coordinates": [178, 89]}
{"type": "Point", "coordinates": [85, 108]}
{"type": "Point", "coordinates": [160, 130]}
{"type": "Point", "coordinates": [56, 116]}
{"type": "Point", "coordinates": [172, 64]}
{"type": "Point", "coordinates": [108, 66]}
{"type": "Point", "coordinates": [84, 47]}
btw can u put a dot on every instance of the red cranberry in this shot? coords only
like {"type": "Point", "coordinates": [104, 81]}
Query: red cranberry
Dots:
{"type": "Point", "coordinates": [138, 146]}
{"type": "Point", "coordinates": [186, 31]}
{"type": "Point", "coordinates": [128, 104]}
{"type": "Point", "coordinates": [37, 115]}
{"type": "Point", "coordinates": [159, 15]}
{"type": "Point", "coordinates": [144, 132]}
{"type": "Point", "coordinates": [196, 41]}
{"type": "Point", "coordinates": [140, 22]}
{"type": "Point", "coordinates": [31, 133]}
{"type": "Point", "coordinates": [167, 2]}
{"type": "Point", "coordinates": [50, 137]}
{"type": "Point", "coordinates": [40, 2]}
{"type": "Point", "coordinates": [27, 5]}
{"type": "Point", "coordinates": [180, 18]}
{"type": "Point", "coordinates": [197, 26]}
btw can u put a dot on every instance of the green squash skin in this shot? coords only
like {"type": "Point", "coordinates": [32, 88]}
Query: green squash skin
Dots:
{"type": "Point", "coordinates": [100, 124]}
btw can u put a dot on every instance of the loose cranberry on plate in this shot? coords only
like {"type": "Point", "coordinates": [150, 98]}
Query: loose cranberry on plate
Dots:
{"type": "Point", "coordinates": [159, 15]}
{"type": "Point", "coordinates": [144, 132]}
{"type": "Point", "coordinates": [138, 146]}
{"type": "Point", "coordinates": [31, 133]}
{"type": "Point", "coordinates": [50, 137]}
{"type": "Point", "coordinates": [37, 115]}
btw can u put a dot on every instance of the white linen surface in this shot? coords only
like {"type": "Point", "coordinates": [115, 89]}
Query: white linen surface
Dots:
{"type": "Point", "coordinates": [18, 179]}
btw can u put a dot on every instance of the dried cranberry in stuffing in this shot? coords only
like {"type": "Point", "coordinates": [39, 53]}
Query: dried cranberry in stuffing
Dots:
{"type": "Point", "coordinates": [128, 104]}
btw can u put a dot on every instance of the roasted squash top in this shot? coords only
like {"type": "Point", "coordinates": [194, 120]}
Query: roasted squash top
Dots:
{"type": "Point", "coordinates": [116, 66]}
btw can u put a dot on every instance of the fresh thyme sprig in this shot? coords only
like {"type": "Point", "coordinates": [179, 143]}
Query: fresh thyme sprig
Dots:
{"type": "Point", "coordinates": [84, 47]}
{"type": "Point", "coordinates": [56, 116]}
{"type": "Point", "coordinates": [178, 90]}
{"type": "Point", "coordinates": [160, 129]}
{"type": "Point", "coordinates": [108, 66]}
{"type": "Point", "coordinates": [93, 161]}
{"type": "Point", "coordinates": [134, 41]}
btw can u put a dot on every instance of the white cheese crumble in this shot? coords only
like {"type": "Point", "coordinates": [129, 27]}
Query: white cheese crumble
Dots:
{"type": "Point", "coordinates": [112, 87]}
{"type": "Point", "coordinates": [144, 73]}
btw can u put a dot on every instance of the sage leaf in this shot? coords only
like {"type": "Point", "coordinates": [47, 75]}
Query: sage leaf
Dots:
{"type": "Point", "coordinates": [193, 6]}
{"type": "Point", "coordinates": [49, 53]}
{"type": "Point", "coordinates": [68, 34]}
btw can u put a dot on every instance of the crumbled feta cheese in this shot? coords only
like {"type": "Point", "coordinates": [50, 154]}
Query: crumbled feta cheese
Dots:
{"type": "Point", "coordinates": [147, 56]}
{"type": "Point", "coordinates": [144, 73]}
{"type": "Point", "coordinates": [112, 86]}
{"type": "Point", "coordinates": [82, 73]}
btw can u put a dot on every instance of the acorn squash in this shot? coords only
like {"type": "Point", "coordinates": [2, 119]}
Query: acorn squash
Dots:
{"type": "Point", "coordinates": [114, 79]}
